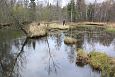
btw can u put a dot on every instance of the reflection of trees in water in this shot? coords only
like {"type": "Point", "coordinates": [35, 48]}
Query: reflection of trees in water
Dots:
{"type": "Point", "coordinates": [113, 43]}
{"type": "Point", "coordinates": [94, 35]}
{"type": "Point", "coordinates": [102, 37]}
{"type": "Point", "coordinates": [58, 41]}
{"type": "Point", "coordinates": [53, 66]}
{"type": "Point", "coordinates": [71, 54]}
{"type": "Point", "coordinates": [31, 43]}
{"type": "Point", "coordinates": [4, 51]}
{"type": "Point", "coordinates": [57, 36]}
{"type": "Point", "coordinates": [9, 62]}
{"type": "Point", "coordinates": [78, 35]}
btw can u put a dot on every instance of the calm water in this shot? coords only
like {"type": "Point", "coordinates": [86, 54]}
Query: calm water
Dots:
{"type": "Point", "coordinates": [49, 56]}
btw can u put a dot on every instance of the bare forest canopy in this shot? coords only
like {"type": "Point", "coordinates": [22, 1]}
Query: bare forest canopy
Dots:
{"type": "Point", "coordinates": [75, 11]}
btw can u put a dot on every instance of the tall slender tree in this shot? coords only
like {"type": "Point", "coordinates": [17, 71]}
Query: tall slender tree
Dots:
{"type": "Point", "coordinates": [71, 11]}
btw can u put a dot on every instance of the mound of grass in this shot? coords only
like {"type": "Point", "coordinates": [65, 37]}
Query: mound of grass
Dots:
{"type": "Point", "coordinates": [99, 60]}
{"type": "Point", "coordinates": [112, 62]}
{"type": "Point", "coordinates": [70, 40]}
{"type": "Point", "coordinates": [36, 30]}
{"type": "Point", "coordinates": [82, 56]}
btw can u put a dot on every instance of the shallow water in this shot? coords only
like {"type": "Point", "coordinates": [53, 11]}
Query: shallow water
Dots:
{"type": "Point", "coordinates": [49, 56]}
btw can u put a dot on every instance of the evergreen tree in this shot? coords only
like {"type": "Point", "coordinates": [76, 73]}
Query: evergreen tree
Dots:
{"type": "Point", "coordinates": [71, 11]}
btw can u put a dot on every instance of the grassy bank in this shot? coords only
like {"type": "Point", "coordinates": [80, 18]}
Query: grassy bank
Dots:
{"type": "Point", "coordinates": [98, 61]}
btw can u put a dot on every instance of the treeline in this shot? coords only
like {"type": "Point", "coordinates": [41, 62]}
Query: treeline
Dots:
{"type": "Point", "coordinates": [29, 10]}
{"type": "Point", "coordinates": [74, 11]}
{"type": "Point", "coordinates": [99, 12]}
{"type": "Point", "coordinates": [16, 11]}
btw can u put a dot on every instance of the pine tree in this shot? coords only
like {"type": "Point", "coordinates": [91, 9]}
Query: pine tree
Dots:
{"type": "Point", "coordinates": [71, 11]}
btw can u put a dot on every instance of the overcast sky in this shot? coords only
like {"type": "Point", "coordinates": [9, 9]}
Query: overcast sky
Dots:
{"type": "Point", "coordinates": [64, 2]}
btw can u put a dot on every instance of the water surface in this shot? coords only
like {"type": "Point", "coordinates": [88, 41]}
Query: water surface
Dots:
{"type": "Point", "coordinates": [49, 56]}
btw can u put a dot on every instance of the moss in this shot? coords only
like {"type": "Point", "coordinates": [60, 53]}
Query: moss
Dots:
{"type": "Point", "coordinates": [99, 60]}
{"type": "Point", "coordinates": [69, 40]}
{"type": "Point", "coordinates": [110, 30]}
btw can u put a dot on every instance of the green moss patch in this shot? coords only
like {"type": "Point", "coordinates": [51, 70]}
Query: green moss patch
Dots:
{"type": "Point", "coordinates": [110, 30]}
{"type": "Point", "coordinates": [99, 60]}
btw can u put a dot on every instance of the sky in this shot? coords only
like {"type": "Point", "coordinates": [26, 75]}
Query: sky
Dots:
{"type": "Point", "coordinates": [94, 0]}
{"type": "Point", "coordinates": [64, 2]}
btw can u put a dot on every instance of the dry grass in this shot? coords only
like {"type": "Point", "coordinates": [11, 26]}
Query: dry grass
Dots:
{"type": "Point", "coordinates": [88, 23]}
{"type": "Point", "coordinates": [69, 40]}
{"type": "Point", "coordinates": [35, 30]}
{"type": "Point", "coordinates": [99, 60]}
{"type": "Point", "coordinates": [58, 26]}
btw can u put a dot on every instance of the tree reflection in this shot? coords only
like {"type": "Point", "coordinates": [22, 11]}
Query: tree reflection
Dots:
{"type": "Point", "coordinates": [58, 41]}
{"type": "Point", "coordinates": [8, 63]}
{"type": "Point", "coordinates": [71, 54]}
{"type": "Point", "coordinates": [31, 43]}
{"type": "Point", "coordinates": [103, 38]}
{"type": "Point", "coordinates": [52, 65]}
